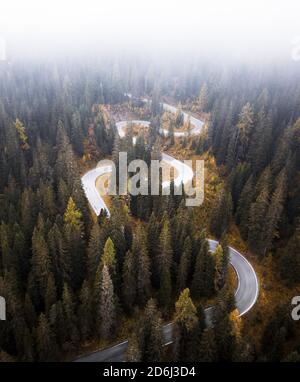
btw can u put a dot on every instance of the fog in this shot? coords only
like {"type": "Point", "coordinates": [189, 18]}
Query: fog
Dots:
{"type": "Point", "coordinates": [256, 30]}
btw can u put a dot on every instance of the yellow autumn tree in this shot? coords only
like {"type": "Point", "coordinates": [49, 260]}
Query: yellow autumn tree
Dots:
{"type": "Point", "coordinates": [22, 134]}
{"type": "Point", "coordinates": [109, 256]}
{"type": "Point", "coordinates": [72, 216]}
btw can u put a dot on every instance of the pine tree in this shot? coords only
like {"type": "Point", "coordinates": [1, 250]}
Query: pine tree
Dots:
{"type": "Point", "coordinates": [239, 141]}
{"type": "Point", "coordinates": [129, 289]}
{"type": "Point", "coordinates": [22, 134]}
{"type": "Point", "coordinates": [203, 277]}
{"type": "Point", "coordinates": [41, 264]}
{"type": "Point", "coordinates": [85, 312]}
{"type": "Point", "coordinates": [107, 304]}
{"type": "Point", "coordinates": [219, 267]}
{"type": "Point", "coordinates": [222, 214]}
{"type": "Point", "coordinates": [68, 305]}
{"type": "Point", "coordinates": [45, 340]}
{"type": "Point", "coordinates": [150, 334]}
{"type": "Point", "coordinates": [165, 263]}
{"type": "Point", "coordinates": [203, 98]}
{"type": "Point", "coordinates": [207, 348]}
{"type": "Point", "coordinates": [143, 275]}
{"type": "Point", "coordinates": [257, 216]}
{"type": "Point", "coordinates": [76, 133]}
{"type": "Point", "coordinates": [51, 296]}
{"type": "Point", "coordinates": [275, 210]}
{"type": "Point", "coordinates": [109, 257]}
{"type": "Point", "coordinates": [94, 250]}
{"type": "Point", "coordinates": [289, 260]}
{"type": "Point", "coordinates": [185, 265]}
{"type": "Point", "coordinates": [133, 352]}
{"type": "Point", "coordinates": [186, 327]}
{"type": "Point", "coordinates": [73, 233]}
{"type": "Point", "coordinates": [243, 208]}
{"type": "Point", "coordinates": [153, 248]}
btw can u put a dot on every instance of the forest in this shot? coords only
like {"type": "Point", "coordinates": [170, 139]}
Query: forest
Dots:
{"type": "Point", "coordinates": [75, 282]}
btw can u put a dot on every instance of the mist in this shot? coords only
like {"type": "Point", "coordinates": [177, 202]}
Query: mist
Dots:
{"type": "Point", "coordinates": [254, 31]}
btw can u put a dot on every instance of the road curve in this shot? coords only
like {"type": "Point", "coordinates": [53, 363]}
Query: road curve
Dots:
{"type": "Point", "coordinates": [196, 123]}
{"type": "Point", "coordinates": [245, 297]}
{"type": "Point", "coordinates": [247, 290]}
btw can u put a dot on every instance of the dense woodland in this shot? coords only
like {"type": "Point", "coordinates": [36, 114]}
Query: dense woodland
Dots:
{"type": "Point", "coordinates": [70, 279]}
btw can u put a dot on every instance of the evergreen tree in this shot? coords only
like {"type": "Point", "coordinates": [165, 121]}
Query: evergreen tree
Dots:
{"type": "Point", "coordinates": [94, 250]}
{"type": "Point", "coordinates": [275, 210]}
{"type": "Point", "coordinates": [165, 264]}
{"type": "Point", "coordinates": [107, 304]}
{"type": "Point", "coordinates": [129, 289]}
{"type": "Point", "coordinates": [150, 334]}
{"type": "Point", "coordinates": [203, 277]}
{"type": "Point", "coordinates": [45, 340]}
{"type": "Point", "coordinates": [85, 312]}
{"type": "Point", "coordinates": [257, 216]}
{"type": "Point", "coordinates": [185, 265]}
{"type": "Point", "coordinates": [289, 260]}
{"type": "Point", "coordinates": [187, 327]}
{"type": "Point", "coordinates": [203, 98]}
{"type": "Point", "coordinates": [221, 215]}
{"type": "Point", "coordinates": [73, 233]}
{"type": "Point", "coordinates": [243, 208]}
{"type": "Point", "coordinates": [207, 349]}
{"type": "Point", "coordinates": [109, 256]}
{"type": "Point", "coordinates": [143, 275]}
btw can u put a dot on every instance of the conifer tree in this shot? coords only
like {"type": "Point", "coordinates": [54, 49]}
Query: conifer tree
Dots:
{"type": "Point", "coordinates": [185, 265]}
{"type": "Point", "coordinates": [243, 208]}
{"type": "Point", "coordinates": [165, 263]}
{"type": "Point", "coordinates": [150, 334]}
{"type": "Point", "coordinates": [143, 275]}
{"type": "Point", "coordinates": [257, 216]}
{"type": "Point", "coordinates": [45, 340]}
{"type": "Point", "coordinates": [73, 233]}
{"type": "Point", "coordinates": [85, 312]}
{"type": "Point", "coordinates": [187, 327]}
{"type": "Point", "coordinates": [109, 257]}
{"type": "Point", "coordinates": [107, 304]}
{"type": "Point", "coordinates": [275, 210]}
{"type": "Point", "coordinates": [222, 214]}
{"type": "Point", "coordinates": [129, 288]}
{"type": "Point", "coordinates": [207, 348]}
{"type": "Point", "coordinates": [203, 98]}
{"type": "Point", "coordinates": [94, 250]}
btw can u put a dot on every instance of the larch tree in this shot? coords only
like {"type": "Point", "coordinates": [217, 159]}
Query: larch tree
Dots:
{"type": "Point", "coordinates": [109, 257]}
{"type": "Point", "coordinates": [73, 233]}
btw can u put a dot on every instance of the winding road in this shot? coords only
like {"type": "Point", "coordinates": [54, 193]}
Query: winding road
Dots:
{"type": "Point", "coordinates": [247, 290]}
